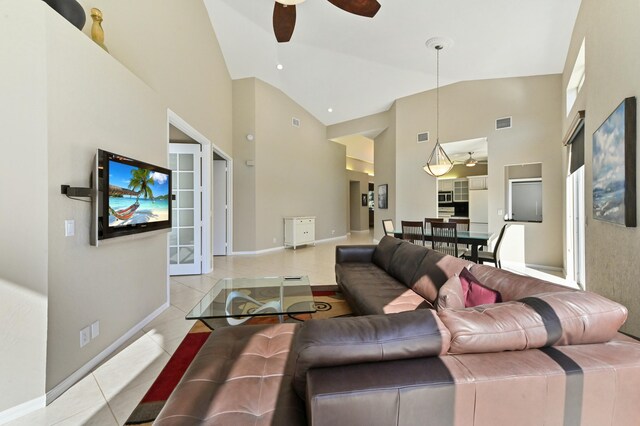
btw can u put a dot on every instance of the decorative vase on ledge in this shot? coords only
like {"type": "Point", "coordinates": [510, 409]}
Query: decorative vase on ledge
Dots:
{"type": "Point", "coordinates": [70, 10]}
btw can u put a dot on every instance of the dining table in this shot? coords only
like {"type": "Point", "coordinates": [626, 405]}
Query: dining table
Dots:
{"type": "Point", "coordinates": [472, 238]}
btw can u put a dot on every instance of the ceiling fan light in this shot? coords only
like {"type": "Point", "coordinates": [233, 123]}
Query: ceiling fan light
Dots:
{"type": "Point", "coordinates": [289, 2]}
{"type": "Point", "coordinates": [470, 163]}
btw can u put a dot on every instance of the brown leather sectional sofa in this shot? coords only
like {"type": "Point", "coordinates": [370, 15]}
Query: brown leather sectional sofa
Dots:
{"type": "Point", "coordinates": [546, 356]}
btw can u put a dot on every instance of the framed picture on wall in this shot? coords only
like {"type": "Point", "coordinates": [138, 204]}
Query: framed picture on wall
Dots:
{"type": "Point", "coordinates": [364, 200]}
{"type": "Point", "coordinates": [614, 166]}
{"type": "Point", "coordinates": [382, 196]}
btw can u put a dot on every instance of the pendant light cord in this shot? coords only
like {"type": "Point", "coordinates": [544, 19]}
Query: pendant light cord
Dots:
{"type": "Point", "coordinates": [438, 48]}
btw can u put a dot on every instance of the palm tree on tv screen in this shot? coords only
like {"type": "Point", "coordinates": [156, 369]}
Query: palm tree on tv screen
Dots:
{"type": "Point", "coordinates": [141, 181]}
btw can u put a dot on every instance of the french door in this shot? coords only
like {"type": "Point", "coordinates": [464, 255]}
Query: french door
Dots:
{"type": "Point", "coordinates": [185, 240]}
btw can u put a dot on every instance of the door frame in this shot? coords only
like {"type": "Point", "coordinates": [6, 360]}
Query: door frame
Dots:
{"type": "Point", "coordinates": [208, 148]}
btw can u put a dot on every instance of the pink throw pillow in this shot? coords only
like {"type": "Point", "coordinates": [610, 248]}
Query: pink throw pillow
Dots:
{"type": "Point", "coordinates": [475, 293]}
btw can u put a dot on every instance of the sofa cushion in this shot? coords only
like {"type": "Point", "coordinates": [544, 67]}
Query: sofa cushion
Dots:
{"type": "Point", "coordinates": [450, 295]}
{"type": "Point", "coordinates": [405, 261]}
{"type": "Point", "coordinates": [434, 270]}
{"type": "Point", "coordinates": [547, 319]}
{"type": "Point", "coordinates": [384, 251]}
{"type": "Point", "coordinates": [512, 286]}
{"type": "Point", "coordinates": [474, 293]}
{"type": "Point", "coordinates": [344, 341]}
{"type": "Point", "coordinates": [370, 290]}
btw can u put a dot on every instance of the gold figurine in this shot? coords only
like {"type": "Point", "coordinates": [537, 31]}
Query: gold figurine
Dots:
{"type": "Point", "coordinates": [97, 33]}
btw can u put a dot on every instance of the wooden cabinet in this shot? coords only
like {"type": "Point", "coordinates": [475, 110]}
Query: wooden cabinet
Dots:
{"type": "Point", "coordinates": [477, 183]}
{"type": "Point", "coordinates": [299, 230]}
{"type": "Point", "coordinates": [460, 190]}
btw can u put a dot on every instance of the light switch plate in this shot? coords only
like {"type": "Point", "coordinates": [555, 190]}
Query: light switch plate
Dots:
{"type": "Point", "coordinates": [69, 228]}
{"type": "Point", "coordinates": [85, 336]}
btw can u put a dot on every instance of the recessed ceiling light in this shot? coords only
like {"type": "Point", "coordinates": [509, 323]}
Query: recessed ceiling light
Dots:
{"type": "Point", "coordinates": [280, 67]}
{"type": "Point", "coordinates": [330, 109]}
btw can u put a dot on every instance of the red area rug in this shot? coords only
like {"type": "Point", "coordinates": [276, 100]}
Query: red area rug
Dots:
{"type": "Point", "coordinates": [328, 303]}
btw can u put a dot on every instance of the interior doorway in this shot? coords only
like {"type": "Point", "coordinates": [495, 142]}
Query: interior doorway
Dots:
{"type": "Point", "coordinates": [220, 205]}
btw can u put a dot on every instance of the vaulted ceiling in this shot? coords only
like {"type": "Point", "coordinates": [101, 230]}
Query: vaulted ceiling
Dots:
{"type": "Point", "coordinates": [358, 66]}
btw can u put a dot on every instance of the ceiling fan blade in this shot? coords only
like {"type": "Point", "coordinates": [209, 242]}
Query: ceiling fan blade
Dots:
{"type": "Point", "coordinates": [367, 8]}
{"type": "Point", "coordinates": [284, 21]}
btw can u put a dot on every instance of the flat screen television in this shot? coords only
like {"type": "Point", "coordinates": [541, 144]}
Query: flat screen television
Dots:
{"type": "Point", "coordinates": [132, 196]}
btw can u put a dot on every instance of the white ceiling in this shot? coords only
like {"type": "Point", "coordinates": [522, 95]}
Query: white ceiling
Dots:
{"type": "Point", "coordinates": [358, 66]}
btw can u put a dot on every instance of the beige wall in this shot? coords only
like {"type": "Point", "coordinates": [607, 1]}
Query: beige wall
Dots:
{"type": "Point", "coordinates": [24, 204]}
{"type": "Point", "coordinates": [534, 103]}
{"type": "Point", "coordinates": [120, 114]}
{"type": "Point", "coordinates": [297, 171]}
{"type": "Point", "coordinates": [359, 166]}
{"type": "Point", "coordinates": [77, 98]}
{"type": "Point", "coordinates": [612, 69]}
{"type": "Point", "coordinates": [244, 176]}
{"type": "Point", "coordinates": [386, 164]}
{"type": "Point", "coordinates": [171, 46]}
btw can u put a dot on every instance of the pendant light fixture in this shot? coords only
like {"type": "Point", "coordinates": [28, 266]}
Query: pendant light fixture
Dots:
{"type": "Point", "coordinates": [439, 162]}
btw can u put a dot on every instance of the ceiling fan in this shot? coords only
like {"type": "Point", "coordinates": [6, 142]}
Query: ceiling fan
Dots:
{"type": "Point", "coordinates": [471, 162]}
{"type": "Point", "coordinates": [284, 14]}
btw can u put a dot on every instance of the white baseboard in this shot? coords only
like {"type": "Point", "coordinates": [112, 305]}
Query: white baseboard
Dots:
{"type": "Point", "coordinates": [22, 409]}
{"type": "Point", "coordinates": [272, 249]}
{"type": "Point", "coordinates": [88, 367]}
{"type": "Point", "coordinates": [360, 232]}
{"type": "Point", "coordinates": [263, 251]}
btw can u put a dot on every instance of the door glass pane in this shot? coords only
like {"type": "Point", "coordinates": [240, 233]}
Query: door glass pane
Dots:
{"type": "Point", "coordinates": [186, 218]}
{"type": "Point", "coordinates": [186, 236]}
{"type": "Point", "coordinates": [173, 237]}
{"type": "Point", "coordinates": [186, 199]}
{"type": "Point", "coordinates": [173, 255]}
{"type": "Point", "coordinates": [185, 180]}
{"type": "Point", "coordinates": [186, 162]}
{"type": "Point", "coordinates": [173, 161]}
{"type": "Point", "coordinates": [186, 255]}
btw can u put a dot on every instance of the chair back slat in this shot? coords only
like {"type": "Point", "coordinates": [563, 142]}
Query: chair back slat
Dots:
{"type": "Point", "coordinates": [428, 220]}
{"type": "Point", "coordinates": [444, 238]}
{"type": "Point", "coordinates": [413, 231]}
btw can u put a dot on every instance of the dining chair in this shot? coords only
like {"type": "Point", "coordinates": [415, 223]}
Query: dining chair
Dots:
{"type": "Point", "coordinates": [387, 226]}
{"type": "Point", "coordinates": [428, 220]}
{"type": "Point", "coordinates": [490, 256]}
{"type": "Point", "coordinates": [461, 225]}
{"type": "Point", "coordinates": [413, 231]}
{"type": "Point", "coordinates": [444, 238]}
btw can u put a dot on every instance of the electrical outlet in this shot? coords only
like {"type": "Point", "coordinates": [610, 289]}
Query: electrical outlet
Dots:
{"type": "Point", "coordinates": [275, 240]}
{"type": "Point", "coordinates": [85, 336]}
{"type": "Point", "coordinates": [95, 330]}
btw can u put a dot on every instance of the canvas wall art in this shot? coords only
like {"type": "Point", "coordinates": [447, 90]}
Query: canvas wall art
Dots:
{"type": "Point", "coordinates": [382, 196]}
{"type": "Point", "coordinates": [614, 166]}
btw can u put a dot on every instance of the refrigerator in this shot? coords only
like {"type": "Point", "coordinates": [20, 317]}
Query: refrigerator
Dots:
{"type": "Point", "coordinates": [479, 210]}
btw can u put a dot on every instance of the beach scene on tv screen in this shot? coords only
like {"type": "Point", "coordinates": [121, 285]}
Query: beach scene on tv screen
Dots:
{"type": "Point", "coordinates": [137, 195]}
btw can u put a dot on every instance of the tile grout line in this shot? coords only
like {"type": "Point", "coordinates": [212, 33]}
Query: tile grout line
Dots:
{"type": "Point", "coordinates": [105, 398]}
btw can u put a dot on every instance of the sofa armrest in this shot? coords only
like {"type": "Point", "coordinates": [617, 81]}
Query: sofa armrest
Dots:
{"type": "Point", "coordinates": [371, 338]}
{"type": "Point", "coordinates": [355, 254]}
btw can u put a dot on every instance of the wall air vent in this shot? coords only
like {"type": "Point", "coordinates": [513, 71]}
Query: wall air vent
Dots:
{"type": "Point", "coordinates": [503, 123]}
{"type": "Point", "coordinates": [295, 122]}
{"type": "Point", "coordinates": [423, 137]}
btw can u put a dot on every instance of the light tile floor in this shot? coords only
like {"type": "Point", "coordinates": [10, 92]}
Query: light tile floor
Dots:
{"type": "Point", "coordinates": [109, 394]}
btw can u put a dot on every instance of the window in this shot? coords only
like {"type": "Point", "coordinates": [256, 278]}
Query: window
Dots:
{"type": "Point", "coordinates": [576, 81]}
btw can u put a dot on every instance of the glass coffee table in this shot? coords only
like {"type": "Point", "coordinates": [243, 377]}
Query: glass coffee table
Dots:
{"type": "Point", "coordinates": [233, 301]}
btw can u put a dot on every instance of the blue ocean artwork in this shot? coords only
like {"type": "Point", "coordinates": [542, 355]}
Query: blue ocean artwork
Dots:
{"type": "Point", "coordinates": [609, 168]}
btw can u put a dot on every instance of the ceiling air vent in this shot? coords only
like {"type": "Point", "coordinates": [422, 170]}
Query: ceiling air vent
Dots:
{"type": "Point", "coordinates": [503, 123]}
{"type": "Point", "coordinates": [423, 137]}
{"type": "Point", "coordinates": [295, 122]}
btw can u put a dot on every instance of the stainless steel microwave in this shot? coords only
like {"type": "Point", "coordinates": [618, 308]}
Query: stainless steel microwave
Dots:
{"type": "Point", "coordinates": [445, 197]}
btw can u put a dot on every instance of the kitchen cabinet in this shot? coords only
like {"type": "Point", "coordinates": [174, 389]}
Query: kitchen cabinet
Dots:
{"type": "Point", "coordinates": [460, 190]}
{"type": "Point", "coordinates": [445, 185]}
{"type": "Point", "coordinates": [477, 183]}
{"type": "Point", "coordinates": [299, 230]}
